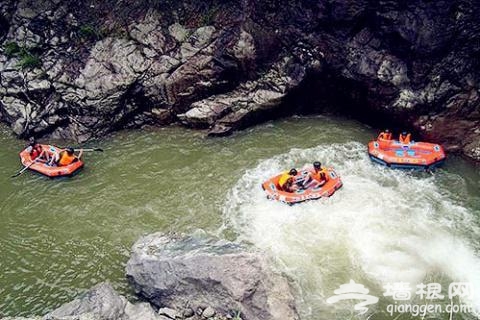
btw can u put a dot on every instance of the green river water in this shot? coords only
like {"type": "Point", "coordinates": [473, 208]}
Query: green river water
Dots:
{"type": "Point", "coordinates": [60, 237]}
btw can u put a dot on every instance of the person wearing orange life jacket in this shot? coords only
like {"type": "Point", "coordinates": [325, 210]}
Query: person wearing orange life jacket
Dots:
{"type": "Point", "coordinates": [286, 181]}
{"type": "Point", "coordinates": [66, 157]}
{"type": "Point", "coordinates": [316, 177]}
{"type": "Point", "coordinates": [404, 137]}
{"type": "Point", "coordinates": [385, 135]}
{"type": "Point", "coordinates": [319, 173]}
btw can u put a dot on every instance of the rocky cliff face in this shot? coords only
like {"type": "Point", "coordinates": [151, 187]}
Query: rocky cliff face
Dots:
{"type": "Point", "coordinates": [80, 69]}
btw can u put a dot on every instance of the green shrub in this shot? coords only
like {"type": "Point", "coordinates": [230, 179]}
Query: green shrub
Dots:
{"type": "Point", "coordinates": [89, 32]}
{"type": "Point", "coordinates": [11, 49]}
{"type": "Point", "coordinates": [29, 60]}
{"type": "Point", "coordinates": [237, 316]}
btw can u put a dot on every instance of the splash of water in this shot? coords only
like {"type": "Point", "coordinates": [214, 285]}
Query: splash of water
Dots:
{"type": "Point", "coordinates": [383, 225]}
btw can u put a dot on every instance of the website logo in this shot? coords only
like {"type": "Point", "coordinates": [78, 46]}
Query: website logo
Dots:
{"type": "Point", "coordinates": [354, 291]}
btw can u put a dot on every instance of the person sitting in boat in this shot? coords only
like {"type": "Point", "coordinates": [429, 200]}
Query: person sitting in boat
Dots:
{"type": "Point", "coordinates": [287, 181]}
{"type": "Point", "coordinates": [36, 151]}
{"type": "Point", "coordinates": [404, 137]}
{"type": "Point", "coordinates": [385, 135]}
{"type": "Point", "coordinates": [316, 177]}
{"type": "Point", "coordinates": [66, 157]}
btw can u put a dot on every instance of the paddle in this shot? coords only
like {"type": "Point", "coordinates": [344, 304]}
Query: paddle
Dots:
{"type": "Point", "coordinates": [24, 169]}
{"type": "Point", "coordinates": [89, 149]}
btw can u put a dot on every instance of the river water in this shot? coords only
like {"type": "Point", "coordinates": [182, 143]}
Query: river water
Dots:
{"type": "Point", "coordinates": [59, 237]}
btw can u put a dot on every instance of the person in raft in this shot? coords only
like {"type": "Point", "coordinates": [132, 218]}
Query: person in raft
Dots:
{"type": "Point", "coordinates": [405, 137]}
{"type": "Point", "coordinates": [36, 152]}
{"type": "Point", "coordinates": [65, 157]}
{"type": "Point", "coordinates": [385, 135]}
{"type": "Point", "coordinates": [316, 177]}
{"type": "Point", "coordinates": [286, 181]}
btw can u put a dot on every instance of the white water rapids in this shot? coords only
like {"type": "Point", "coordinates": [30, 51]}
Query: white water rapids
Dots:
{"type": "Point", "coordinates": [383, 226]}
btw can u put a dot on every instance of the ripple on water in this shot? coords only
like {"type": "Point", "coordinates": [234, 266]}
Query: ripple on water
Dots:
{"type": "Point", "coordinates": [382, 226]}
{"type": "Point", "coordinates": [58, 237]}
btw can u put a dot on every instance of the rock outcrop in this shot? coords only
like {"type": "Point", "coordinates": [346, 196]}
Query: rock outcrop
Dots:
{"type": "Point", "coordinates": [100, 302]}
{"type": "Point", "coordinates": [80, 69]}
{"type": "Point", "coordinates": [208, 274]}
{"type": "Point", "coordinates": [195, 278]}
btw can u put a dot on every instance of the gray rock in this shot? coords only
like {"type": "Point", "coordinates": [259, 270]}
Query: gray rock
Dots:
{"type": "Point", "coordinates": [21, 318]}
{"type": "Point", "coordinates": [473, 149]}
{"type": "Point", "coordinates": [200, 39]}
{"type": "Point", "coordinates": [168, 312]}
{"type": "Point", "coordinates": [39, 85]}
{"type": "Point", "coordinates": [244, 49]}
{"type": "Point", "coordinates": [237, 109]}
{"type": "Point", "coordinates": [187, 313]}
{"type": "Point", "coordinates": [26, 12]}
{"type": "Point", "coordinates": [178, 32]}
{"type": "Point", "coordinates": [199, 272]}
{"type": "Point", "coordinates": [140, 311]}
{"type": "Point", "coordinates": [204, 114]}
{"type": "Point", "coordinates": [102, 302]}
{"type": "Point", "coordinates": [149, 33]}
{"type": "Point", "coordinates": [113, 64]}
{"type": "Point", "coordinates": [208, 312]}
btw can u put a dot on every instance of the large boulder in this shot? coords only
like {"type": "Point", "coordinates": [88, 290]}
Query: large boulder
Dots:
{"type": "Point", "coordinates": [100, 302]}
{"type": "Point", "coordinates": [197, 272]}
{"type": "Point", "coordinates": [103, 302]}
{"type": "Point", "coordinates": [241, 107]}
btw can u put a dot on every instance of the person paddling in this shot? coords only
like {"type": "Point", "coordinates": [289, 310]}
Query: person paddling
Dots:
{"type": "Point", "coordinates": [36, 151]}
{"type": "Point", "coordinates": [65, 157]}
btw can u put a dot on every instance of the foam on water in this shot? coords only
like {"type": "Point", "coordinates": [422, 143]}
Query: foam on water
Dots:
{"type": "Point", "coordinates": [383, 226]}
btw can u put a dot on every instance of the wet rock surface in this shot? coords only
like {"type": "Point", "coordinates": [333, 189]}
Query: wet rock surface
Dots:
{"type": "Point", "coordinates": [209, 276]}
{"type": "Point", "coordinates": [82, 69]}
{"type": "Point", "coordinates": [190, 277]}
{"type": "Point", "coordinates": [100, 302]}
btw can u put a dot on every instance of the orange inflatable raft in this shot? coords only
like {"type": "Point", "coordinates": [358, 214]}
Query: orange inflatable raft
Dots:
{"type": "Point", "coordinates": [50, 171]}
{"type": "Point", "coordinates": [415, 155]}
{"type": "Point", "coordinates": [274, 191]}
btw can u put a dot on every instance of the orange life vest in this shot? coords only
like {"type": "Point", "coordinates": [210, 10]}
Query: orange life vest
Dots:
{"type": "Point", "coordinates": [385, 136]}
{"type": "Point", "coordinates": [65, 159]}
{"type": "Point", "coordinates": [404, 139]}
{"type": "Point", "coordinates": [320, 175]}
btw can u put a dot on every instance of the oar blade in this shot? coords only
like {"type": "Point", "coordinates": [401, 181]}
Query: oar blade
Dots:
{"type": "Point", "coordinates": [88, 149]}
